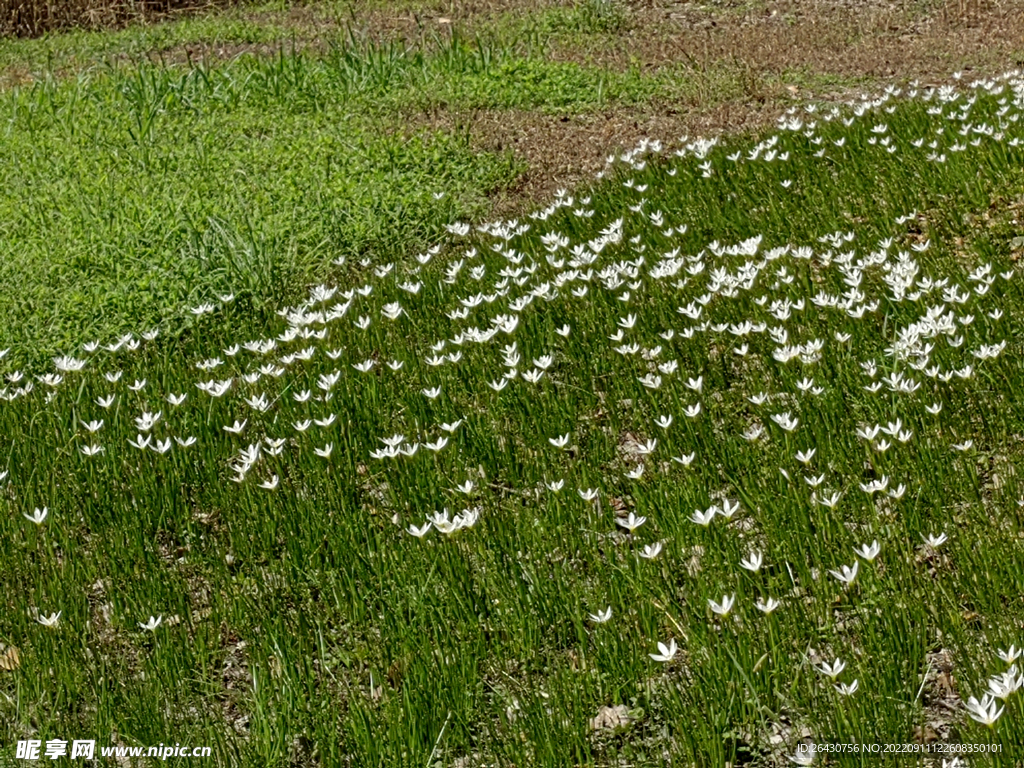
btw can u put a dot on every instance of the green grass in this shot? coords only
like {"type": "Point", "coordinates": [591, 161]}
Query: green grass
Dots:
{"type": "Point", "coordinates": [591, 17]}
{"type": "Point", "coordinates": [131, 189]}
{"type": "Point", "coordinates": [302, 622]}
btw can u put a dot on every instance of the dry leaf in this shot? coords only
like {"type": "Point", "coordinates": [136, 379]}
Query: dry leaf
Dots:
{"type": "Point", "coordinates": [10, 659]}
{"type": "Point", "coordinates": [611, 718]}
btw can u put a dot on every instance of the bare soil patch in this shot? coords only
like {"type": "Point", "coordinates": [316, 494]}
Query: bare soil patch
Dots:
{"type": "Point", "coordinates": [563, 150]}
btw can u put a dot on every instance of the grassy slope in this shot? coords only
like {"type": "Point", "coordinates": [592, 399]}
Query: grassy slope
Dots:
{"type": "Point", "coordinates": [324, 604]}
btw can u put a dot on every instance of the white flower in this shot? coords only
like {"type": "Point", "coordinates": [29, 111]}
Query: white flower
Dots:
{"type": "Point", "coordinates": [38, 516]}
{"type": "Point", "coordinates": [804, 457]}
{"type": "Point", "coordinates": [847, 574]}
{"type": "Point", "coordinates": [601, 616]}
{"type": "Point", "coordinates": [685, 460]}
{"type": "Point", "coordinates": [559, 442]}
{"type": "Point", "coordinates": [869, 551]}
{"type": "Point", "coordinates": [753, 432]}
{"type": "Point", "coordinates": [875, 485]}
{"type": "Point", "coordinates": [432, 393]}
{"type": "Point", "coordinates": [752, 563]}
{"type": "Point", "coordinates": [847, 690]}
{"type": "Point", "coordinates": [105, 402]}
{"type": "Point", "coordinates": [935, 541]}
{"type": "Point", "coordinates": [49, 621]}
{"type": "Point", "coordinates": [828, 501]}
{"type": "Point", "coordinates": [986, 711]}
{"type": "Point", "coordinates": [587, 495]}
{"type": "Point", "coordinates": [258, 403]}
{"type": "Point", "coordinates": [834, 669]}
{"type": "Point", "coordinates": [442, 522]}
{"type": "Point", "coordinates": [1009, 656]}
{"type": "Point", "coordinates": [704, 518]}
{"type": "Point", "coordinates": [666, 652]}
{"type": "Point", "coordinates": [650, 381]}
{"type": "Point", "coordinates": [237, 427]}
{"type": "Point", "coordinates": [419, 533]}
{"type": "Point", "coordinates": [162, 446]}
{"type": "Point", "coordinates": [868, 433]}
{"type": "Point", "coordinates": [651, 551]}
{"type": "Point", "coordinates": [1001, 686]}
{"type": "Point", "coordinates": [723, 608]}
{"type": "Point", "coordinates": [468, 518]}
{"type": "Point", "coordinates": [270, 484]}
{"type": "Point", "coordinates": [767, 606]}
{"type": "Point", "coordinates": [176, 399]}
{"type": "Point", "coordinates": [786, 421]}
{"type": "Point", "coordinates": [147, 421]}
{"type": "Point", "coordinates": [152, 624]}
{"type": "Point", "coordinates": [632, 522]}
{"type": "Point", "coordinates": [664, 421]}
{"type": "Point", "coordinates": [324, 452]}
{"type": "Point", "coordinates": [647, 448]}
{"type": "Point", "coordinates": [636, 474]}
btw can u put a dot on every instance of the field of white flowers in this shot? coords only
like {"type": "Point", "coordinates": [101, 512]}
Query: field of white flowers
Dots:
{"type": "Point", "coordinates": [713, 459]}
